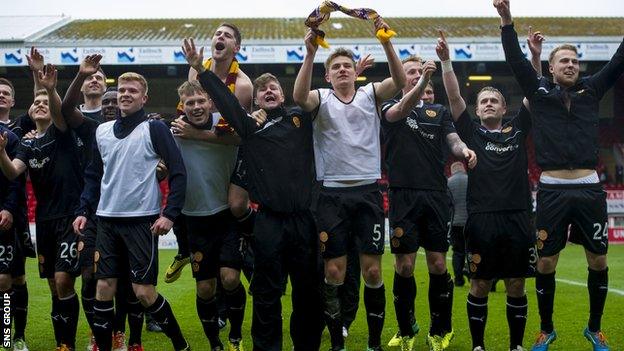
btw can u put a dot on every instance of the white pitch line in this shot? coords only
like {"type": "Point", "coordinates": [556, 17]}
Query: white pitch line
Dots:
{"type": "Point", "coordinates": [564, 281]}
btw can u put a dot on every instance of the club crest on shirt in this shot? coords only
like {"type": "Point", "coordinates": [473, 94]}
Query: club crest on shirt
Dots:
{"type": "Point", "coordinates": [506, 129]}
{"type": "Point", "coordinates": [431, 113]}
{"type": "Point", "coordinates": [296, 121]}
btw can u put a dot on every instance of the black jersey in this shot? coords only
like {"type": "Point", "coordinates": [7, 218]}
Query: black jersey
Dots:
{"type": "Point", "coordinates": [55, 165]}
{"type": "Point", "coordinates": [278, 154]}
{"type": "Point", "coordinates": [566, 137]}
{"type": "Point", "coordinates": [12, 195]}
{"type": "Point", "coordinates": [95, 115]}
{"type": "Point", "coordinates": [415, 147]}
{"type": "Point", "coordinates": [499, 182]}
{"type": "Point", "coordinates": [20, 125]}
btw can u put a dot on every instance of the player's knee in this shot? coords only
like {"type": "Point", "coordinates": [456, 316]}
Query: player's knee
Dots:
{"type": "Point", "coordinates": [64, 285]}
{"type": "Point", "coordinates": [105, 290]}
{"type": "Point", "coordinates": [480, 288]}
{"type": "Point", "coordinates": [230, 279]}
{"type": "Point", "coordinates": [597, 262]}
{"type": "Point", "coordinates": [404, 269]}
{"type": "Point", "coordinates": [146, 294]}
{"type": "Point", "coordinates": [5, 282]}
{"type": "Point", "coordinates": [372, 274]}
{"type": "Point", "coordinates": [21, 280]}
{"type": "Point", "coordinates": [206, 289]}
{"type": "Point", "coordinates": [238, 202]}
{"type": "Point", "coordinates": [437, 265]}
{"type": "Point", "coordinates": [515, 287]}
{"type": "Point", "coordinates": [334, 274]}
{"type": "Point", "coordinates": [546, 265]}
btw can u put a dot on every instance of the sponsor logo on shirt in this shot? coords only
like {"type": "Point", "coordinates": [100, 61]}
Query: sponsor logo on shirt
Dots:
{"type": "Point", "coordinates": [500, 149]}
{"type": "Point", "coordinates": [413, 124]}
{"type": "Point", "coordinates": [34, 163]}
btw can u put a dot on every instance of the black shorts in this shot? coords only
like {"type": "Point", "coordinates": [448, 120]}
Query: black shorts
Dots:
{"type": "Point", "coordinates": [8, 250]}
{"type": "Point", "coordinates": [22, 230]}
{"type": "Point", "coordinates": [86, 245]}
{"type": "Point", "coordinates": [419, 218]}
{"type": "Point", "coordinates": [351, 214]}
{"type": "Point", "coordinates": [123, 243]}
{"type": "Point", "coordinates": [500, 245]}
{"type": "Point", "coordinates": [57, 247]}
{"type": "Point", "coordinates": [214, 244]}
{"type": "Point", "coordinates": [581, 206]}
{"type": "Point", "coordinates": [239, 175]}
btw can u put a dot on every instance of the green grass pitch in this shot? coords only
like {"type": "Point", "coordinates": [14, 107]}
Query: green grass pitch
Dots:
{"type": "Point", "coordinates": [571, 310]}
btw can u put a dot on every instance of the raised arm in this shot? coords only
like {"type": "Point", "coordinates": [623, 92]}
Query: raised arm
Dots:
{"type": "Point", "coordinates": [609, 73]}
{"type": "Point", "coordinates": [10, 169]}
{"type": "Point", "coordinates": [451, 85]}
{"type": "Point", "coordinates": [389, 87]}
{"type": "Point", "coordinates": [71, 113]}
{"type": "Point", "coordinates": [303, 97]}
{"type": "Point", "coordinates": [523, 71]}
{"type": "Point", "coordinates": [403, 108]}
{"type": "Point", "coordinates": [534, 42]}
{"type": "Point", "coordinates": [226, 102]}
{"type": "Point", "coordinates": [47, 79]}
{"type": "Point", "coordinates": [35, 63]}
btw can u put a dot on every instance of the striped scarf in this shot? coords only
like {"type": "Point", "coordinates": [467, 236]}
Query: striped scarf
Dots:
{"type": "Point", "coordinates": [222, 126]}
{"type": "Point", "coordinates": [321, 14]}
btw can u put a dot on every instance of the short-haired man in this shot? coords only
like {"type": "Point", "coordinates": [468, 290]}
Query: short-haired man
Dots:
{"type": "Point", "coordinates": [279, 158]}
{"type": "Point", "coordinates": [121, 183]}
{"type": "Point", "coordinates": [225, 44]}
{"type": "Point", "coordinates": [92, 86]}
{"type": "Point", "coordinates": [499, 242]}
{"type": "Point", "coordinates": [565, 115]}
{"type": "Point", "coordinates": [24, 247]}
{"type": "Point", "coordinates": [420, 208]}
{"type": "Point", "coordinates": [54, 160]}
{"type": "Point", "coordinates": [213, 244]}
{"type": "Point", "coordinates": [348, 161]}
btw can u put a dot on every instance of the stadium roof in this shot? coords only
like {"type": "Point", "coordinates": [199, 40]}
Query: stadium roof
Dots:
{"type": "Point", "coordinates": [80, 32]}
{"type": "Point", "coordinates": [20, 28]}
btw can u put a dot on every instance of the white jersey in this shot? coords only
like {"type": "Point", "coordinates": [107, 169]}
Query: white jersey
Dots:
{"type": "Point", "coordinates": [208, 170]}
{"type": "Point", "coordinates": [129, 187]}
{"type": "Point", "coordinates": [346, 136]}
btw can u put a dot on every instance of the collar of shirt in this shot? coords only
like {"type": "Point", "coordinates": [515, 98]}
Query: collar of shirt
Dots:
{"type": "Point", "coordinates": [125, 125]}
{"type": "Point", "coordinates": [276, 112]}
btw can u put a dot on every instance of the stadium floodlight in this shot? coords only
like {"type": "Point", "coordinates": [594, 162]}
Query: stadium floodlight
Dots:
{"type": "Point", "coordinates": [480, 78]}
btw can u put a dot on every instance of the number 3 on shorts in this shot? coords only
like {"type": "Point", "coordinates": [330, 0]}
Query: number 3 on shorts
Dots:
{"type": "Point", "coordinates": [600, 231]}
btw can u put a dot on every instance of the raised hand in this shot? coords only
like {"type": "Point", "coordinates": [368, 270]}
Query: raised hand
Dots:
{"type": "Point", "coordinates": [194, 58]}
{"type": "Point", "coordinates": [363, 64]}
{"type": "Point", "coordinates": [534, 41]}
{"type": "Point", "coordinates": [502, 6]}
{"type": "Point", "coordinates": [380, 24]}
{"type": "Point", "coordinates": [442, 49]}
{"type": "Point", "coordinates": [90, 64]}
{"type": "Point", "coordinates": [428, 69]}
{"type": "Point", "coordinates": [35, 60]}
{"type": "Point", "coordinates": [310, 42]}
{"type": "Point", "coordinates": [47, 77]}
{"type": "Point", "coordinates": [260, 116]}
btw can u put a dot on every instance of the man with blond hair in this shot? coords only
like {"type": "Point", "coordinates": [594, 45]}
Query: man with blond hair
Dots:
{"type": "Point", "coordinates": [122, 190]}
{"type": "Point", "coordinates": [565, 113]}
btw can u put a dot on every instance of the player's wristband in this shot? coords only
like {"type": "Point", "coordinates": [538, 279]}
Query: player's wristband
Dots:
{"type": "Point", "coordinates": [447, 66]}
